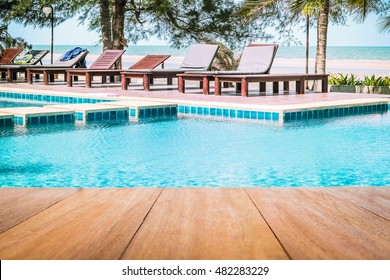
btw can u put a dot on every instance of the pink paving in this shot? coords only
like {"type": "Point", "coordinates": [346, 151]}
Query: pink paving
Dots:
{"type": "Point", "coordinates": [193, 93]}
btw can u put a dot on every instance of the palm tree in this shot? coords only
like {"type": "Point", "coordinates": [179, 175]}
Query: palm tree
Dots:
{"type": "Point", "coordinates": [384, 24]}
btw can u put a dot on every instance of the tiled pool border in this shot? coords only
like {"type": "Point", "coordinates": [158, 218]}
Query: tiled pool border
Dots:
{"type": "Point", "coordinates": [51, 98]}
{"type": "Point", "coordinates": [231, 113]}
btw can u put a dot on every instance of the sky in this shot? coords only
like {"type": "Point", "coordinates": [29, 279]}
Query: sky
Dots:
{"type": "Point", "coordinates": [71, 33]}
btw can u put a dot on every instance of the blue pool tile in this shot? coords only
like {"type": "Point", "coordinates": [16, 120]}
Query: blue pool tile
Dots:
{"type": "Point", "coordinates": [260, 115]}
{"type": "Point", "coordinates": [299, 115]}
{"type": "Point", "coordinates": [315, 114]}
{"type": "Point", "coordinates": [51, 119]}
{"type": "Point", "coordinates": [268, 116]}
{"type": "Point", "coordinates": [78, 115]}
{"type": "Point", "coordinates": [287, 116]}
{"type": "Point", "coordinates": [160, 111]}
{"type": "Point", "coordinates": [43, 119]}
{"type": "Point", "coordinates": [240, 114]}
{"type": "Point", "coordinates": [199, 110]}
{"type": "Point", "coordinates": [304, 115]}
{"type": "Point", "coordinates": [321, 113]}
{"type": "Point", "coordinates": [18, 120]}
{"type": "Point", "coordinates": [8, 122]}
{"type": "Point", "coordinates": [59, 118]}
{"type": "Point", "coordinates": [68, 118]}
{"type": "Point", "coordinates": [113, 115]}
{"type": "Point", "coordinates": [275, 116]}
{"type": "Point", "coordinates": [232, 113]}
{"type": "Point", "coordinates": [147, 113]}
{"type": "Point", "coordinates": [206, 111]}
{"type": "Point", "coordinates": [33, 120]}
{"type": "Point", "coordinates": [193, 110]}
{"type": "Point", "coordinates": [141, 113]}
{"type": "Point", "coordinates": [173, 111]}
{"type": "Point", "coordinates": [91, 116]}
{"type": "Point", "coordinates": [253, 114]}
{"type": "Point", "coordinates": [246, 114]}
{"type": "Point", "coordinates": [293, 116]}
{"type": "Point", "coordinates": [187, 109]}
{"type": "Point", "coordinates": [181, 109]}
{"type": "Point", "coordinates": [98, 116]}
{"type": "Point", "coordinates": [226, 113]}
{"type": "Point", "coordinates": [219, 112]}
{"type": "Point", "coordinates": [106, 115]}
{"type": "Point", "coordinates": [132, 113]}
{"type": "Point", "coordinates": [154, 112]}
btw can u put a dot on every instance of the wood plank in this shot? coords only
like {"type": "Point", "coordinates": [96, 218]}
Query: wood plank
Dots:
{"type": "Point", "coordinates": [204, 223]}
{"type": "Point", "coordinates": [314, 224]}
{"type": "Point", "coordinates": [374, 199]}
{"type": "Point", "coordinates": [19, 204]}
{"type": "Point", "coordinates": [91, 224]}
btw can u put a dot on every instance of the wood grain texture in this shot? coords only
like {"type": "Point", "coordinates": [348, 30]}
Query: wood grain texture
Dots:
{"type": "Point", "coordinates": [315, 224]}
{"type": "Point", "coordinates": [204, 223]}
{"type": "Point", "coordinates": [19, 204]}
{"type": "Point", "coordinates": [91, 224]}
{"type": "Point", "coordinates": [376, 200]}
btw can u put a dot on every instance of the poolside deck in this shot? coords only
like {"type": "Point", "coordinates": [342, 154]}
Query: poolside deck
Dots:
{"type": "Point", "coordinates": [195, 223]}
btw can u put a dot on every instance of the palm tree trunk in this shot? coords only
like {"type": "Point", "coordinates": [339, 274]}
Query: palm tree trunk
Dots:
{"type": "Point", "coordinates": [322, 33]}
{"type": "Point", "coordinates": [118, 24]}
{"type": "Point", "coordinates": [105, 23]}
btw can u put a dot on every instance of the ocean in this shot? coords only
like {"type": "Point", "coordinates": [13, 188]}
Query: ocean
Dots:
{"type": "Point", "coordinates": [284, 52]}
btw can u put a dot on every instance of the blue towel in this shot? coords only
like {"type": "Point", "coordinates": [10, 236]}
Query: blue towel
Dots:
{"type": "Point", "coordinates": [72, 53]}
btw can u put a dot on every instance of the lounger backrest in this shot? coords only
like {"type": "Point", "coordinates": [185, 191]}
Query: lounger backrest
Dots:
{"type": "Point", "coordinates": [107, 59]}
{"type": "Point", "coordinates": [199, 57]}
{"type": "Point", "coordinates": [150, 62]}
{"type": "Point", "coordinates": [38, 55]}
{"type": "Point", "coordinates": [8, 55]}
{"type": "Point", "coordinates": [70, 63]}
{"type": "Point", "coordinates": [257, 58]}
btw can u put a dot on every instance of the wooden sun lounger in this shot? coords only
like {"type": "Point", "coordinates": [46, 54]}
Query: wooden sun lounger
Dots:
{"type": "Point", "coordinates": [148, 62]}
{"type": "Point", "coordinates": [244, 80]}
{"type": "Point", "coordinates": [7, 56]}
{"type": "Point", "coordinates": [59, 67]}
{"type": "Point", "coordinates": [12, 69]}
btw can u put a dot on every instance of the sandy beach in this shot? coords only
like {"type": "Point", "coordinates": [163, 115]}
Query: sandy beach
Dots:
{"type": "Point", "coordinates": [358, 67]}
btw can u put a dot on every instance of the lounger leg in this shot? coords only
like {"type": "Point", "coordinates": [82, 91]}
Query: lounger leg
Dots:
{"type": "Point", "coordinates": [275, 87]}
{"type": "Point", "coordinates": [151, 81]}
{"type": "Point", "coordinates": [36, 76]}
{"type": "Point", "coordinates": [146, 82]}
{"type": "Point", "coordinates": [217, 87]}
{"type": "Point", "coordinates": [14, 76]}
{"type": "Point", "coordinates": [225, 84]}
{"type": "Point", "coordinates": [201, 84]}
{"type": "Point", "coordinates": [286, 86]}
{"type": "Point", "coordinates": [206, 85]}
{"type": "Point", "coordinates": [169, 81]}
{"type": "Point", "coordinates": [45, 78]}
{"type": "Point", "coordinates": [238, 87]}
{"type": "Point", "coordinates": [88, 80]}
{"type": "Point", "coordinates": [262, 87]}
{"type": "Point", "coordinates": [3, 75]}
{"type": "Point", "coordinates": [69, 80]}
{"type": "Point", "coordinates": [324, 84]}
{"type": "Point", "coordinates": [104, 79]}
{"type": "Point", "coordinates": [300, 86]}
{"type": "Point", "coordinates": [181, 84]}
{"type": "Point", "coordinates": [244, 88]}
{"type": "Point", "coordinates": [51, 78]}
{"type": "Point", "coordinates": [124, 82]}
{"type": "Point", "coordinates": [9, 76]}
{"type": "Point", "coordinates": [29, 77]}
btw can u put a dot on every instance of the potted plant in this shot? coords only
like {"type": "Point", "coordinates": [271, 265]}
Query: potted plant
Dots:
{"type": "Point", "coordinates": [375, 85]}
{"type": "Point", "coordinates": [344, 83]}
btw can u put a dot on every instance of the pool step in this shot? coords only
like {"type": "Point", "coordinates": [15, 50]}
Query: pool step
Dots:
{"type": "Point", "coordinates": [95, 112]}
{"type": "Point", "coordinates": [139, 109]}
{"type": "Point", "coordinates": [38, 115]}
{"type": "Point", "coordinates": [6, 119]}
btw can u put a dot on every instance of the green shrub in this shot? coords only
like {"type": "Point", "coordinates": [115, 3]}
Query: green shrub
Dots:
{"type": "Point", "coordinates": [344, 80]}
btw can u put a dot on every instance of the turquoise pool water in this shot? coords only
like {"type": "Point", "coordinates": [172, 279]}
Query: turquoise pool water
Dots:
{"type": "Point", "coordinates": [348, 151]}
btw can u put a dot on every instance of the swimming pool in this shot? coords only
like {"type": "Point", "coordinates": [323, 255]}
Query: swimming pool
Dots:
{"type": "Point", "coordinates": [199, 152]}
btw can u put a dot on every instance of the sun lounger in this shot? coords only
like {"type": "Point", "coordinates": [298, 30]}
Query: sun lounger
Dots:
{"type": "Point", "coordinates": [29, 59]}
{"type": "Point", "coordinates": [7, 56]}
{"type": "Point", "coordinates": [256, 59]}
{"type": "Point", "coordinates": [58, 67]}
{"type": "Point", "coordinates": [148, 62]}
{"type": "Point", "coordinates": [198, 58]}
